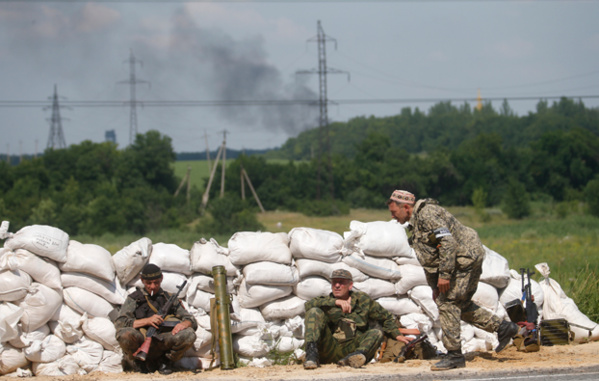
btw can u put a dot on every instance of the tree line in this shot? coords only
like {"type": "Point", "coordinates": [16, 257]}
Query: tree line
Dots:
{"type": "Point", "coordinates": [458, 155]}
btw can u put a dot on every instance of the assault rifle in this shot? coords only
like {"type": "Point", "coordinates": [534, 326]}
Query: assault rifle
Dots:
{"type": "Point", "coordinates": [407, 350]}
{"type": "Point", "coordinates": [142, 352]}
{"type": "Point", "coordinates": [532, 313]}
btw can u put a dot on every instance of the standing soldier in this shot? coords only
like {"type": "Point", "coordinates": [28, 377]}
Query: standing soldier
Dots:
{"type": "Point", "coordinates": [337, 326]}
{"type": "Point", "coordinates": [452, 256]}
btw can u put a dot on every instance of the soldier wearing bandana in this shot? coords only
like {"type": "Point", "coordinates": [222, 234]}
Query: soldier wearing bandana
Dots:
{"type": "Point", "coordinates": [452, 256]}
{"type": "Point", "coordinates": [139, 312]}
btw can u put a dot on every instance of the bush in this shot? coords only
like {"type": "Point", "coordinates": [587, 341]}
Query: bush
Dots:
{"type": "Point", "coordinates": [230, 215]}
{"type": "Point", "coordinates": [323, 208]}
{"type": "Point", "coordinates": [591, 192]}
{"type": "Point", "coordinates": [516, 201]}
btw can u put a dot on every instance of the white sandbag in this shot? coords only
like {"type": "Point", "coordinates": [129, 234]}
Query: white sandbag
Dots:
{"type": "Point", "coordinates": [270, 274]}
{"type": "Point", "coordinates": [101, 330]}
{"type": "Point", "coordinates": [489, 337]}
{"type": "Point", "coordinates": [496, 270]}
{"type": "Point", "coordinates": [25, 339]}
{"type": "Point", "coordinates": [84, 301]}
{"type": "Point", "coordinates": [284, 308]}
{"type": "Point", "coordinates": [170, 257]}
{"type": "Point", "coordinates": [311, 267]}
{"type": "Point", "coordinates": [89, 259]}
{"type": "Point", "coordinates": [86, 353]}
{"type": "Point", "coordinates": [419, 321]}
{"type": "Point", "coordinates": [312, 287]}
{"type": "Point", "coordinates": [288, 344]}
{"type": "Point", "coordinates": [250, 346]}
{"type": "Point", "coordinates": [411, 276]}
{"type": "Point", "coordinates": [378, 239]}
{"type": "Point", "coordinates": [249, 247]}
{"type": "Point", "coordinates": [255, 295]}
{"type": "Point", "coordinates": [13, 285]}
{"type": "Point", "coordinates": [111, 362]}
{"type": "Point", "coordinates": [11, 359]}
{"type": "Point", "coordinates": [412, 259]}
{"type": "Point", "coordinates": [49, 349]}
{"type": "Point", "coordinates": [112, 291]}
{"type": "Point", "coordinates": [376, 288]}
{"type": "Point", "coordinates": [45, 241]}
{"type": "Point", "coordinates": [199, 299]}
{"type": "Point", "coordinates": [246, 319]}
{"type": "Point", "coordinates": [399, 305]}
{"type": "Point", "coordinates": [203, 340]}
{"type": "Point", "coordinates": [129, 261]}
{"type": "Point", "coordinates": [423, 296]}
{"type": "Point", "coordinates": [296, 326]}
{"type": "Point", "coordinates": [475, 344]}
{"type": "Point", "coordinates": [39, 306]}
{"type": "Point", "coordinates": [64, 366]}
{"type": "Point", "coordinates": [381, 268]}
{"type": "Point", "coordinates": [317, 244]}
{"type": "Point", "coordinates": [558, 305]}
{"type": "Point", "coordinates": [486, 296]}
{"type": "Point", "coordinates": [10, 315]}
{"type": "Point", "coordinates": [207, 254]}
{"type": "Point", "coordinates": [206, 283]}
{"type": "Point", "coordinates": [197, 362]}
{"type": "Point", "coordinates": [41, 270]}
{"type": "Point", "coordinates": [513, 290]}
{"type": "Point", "coordinates": [66, 324]}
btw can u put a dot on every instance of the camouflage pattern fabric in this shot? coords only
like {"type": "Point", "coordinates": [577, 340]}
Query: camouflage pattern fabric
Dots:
{"type": "Point", "coordinates": [452, 251]}
{"type": "Point", "coordinates": [338, 334]}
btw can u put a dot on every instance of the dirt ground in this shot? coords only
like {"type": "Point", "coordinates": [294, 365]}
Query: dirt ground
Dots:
{"type": "Point", "coordinates": [548, 358]}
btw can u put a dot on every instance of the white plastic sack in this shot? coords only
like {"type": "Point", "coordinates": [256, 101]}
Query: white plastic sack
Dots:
{"type": "Point", "coordinates": [84, 301]}
{"type": "Point", "coordinates": [376, 288]}
{"type": "Point", "coordinates": [86, 353]}
{"type": "Point", "coordinates": [411, 276]}
{"type": "Point", "coordinates": [284, 308]}
{"type": "Point", "coordinates": [249, 247]}
{"type": "Point", "coordinates": [312, 287]}
{"type": "Point", "coordinates": [48, 350]}
{"type": "Point", "coordinates": [39, 306]}
{"type": "Point", "coordinates": [513, 290]}
{"type": "Point", "coordinates": [423, 296]}
{"type": "Point", "coordinates": [89, 259]}
{"type": "Point", "coordinates": [250, 346]}
{"type": "Point", "coordinates": [112, 291]}
{"type": "Point", "coordinates": [251, 296]}
{"type": "Point", "coordinates": [25, 339]}
{"type": "Point", "coordinates": [270, 274]}
{"type": "Point", "coordinates": [246, 319]}
{"type": "Point", "coordinates": [408, 260]}
{"type": "Point", "coordinates": [486, 296]}
{"type": "Point", "coordinates": [10, 315]}
{"type": "Point", "coordinates": [62, 367]}
{"type": "Point", "coordinates": [207, 254]}
{"type": "Point", "coordinates": [206, 283]}
{"type": "Point", "coordinates": [288, 344]}
{"type": "Point", "coordinates": [399, 305]}
{"type": "Point", "coordinates": [381, 268]}
{"type": "Point", "coordinates": [129, 261]}
{"type": "Point", "coordinates": [101, 330]}
{"type": "Point", "coordinates": [13, 285]}
{"type": "Point", "coordinates": [45, 241]}
{"type": "Point", "coordinates": [111, 362]}
{"type": "Point", "coordinates": [170, 257]}
{"type": "Point", "coordinates": [11, 359]}
{"type": "Point", "coordinates": [419, 321]}
{"type": "Point", "coordinates": [311, 267]}
{"type": "Point", "coordinates": [496, 270]}
{"type": "Point", "coordinates": [66, 324]}
{"type": "Point", "coordinates": [317, 244]}
{"type": "Point", "coordinates": [199, 299]}
{"type": "Point", "coordinates": [378, 239]}
{"type": "Point", "coordinates": [41, 270]}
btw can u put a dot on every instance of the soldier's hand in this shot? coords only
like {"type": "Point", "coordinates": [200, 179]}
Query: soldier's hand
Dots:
{"type": "Point", "coordinates": [180, 327]}
{"type": "Point", "coordinates": [404, 339]}
{"type": "Point", "coordinates": [155, 321]}
{"type": "Point", "coordinates": [344, 304]}
{"type": "Point", "coordinates": [443, 285]}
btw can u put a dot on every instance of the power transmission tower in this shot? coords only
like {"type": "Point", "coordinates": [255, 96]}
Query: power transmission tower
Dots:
{"type": "Point", "coordinates": [56, 138]}
{"type": "Point", "coordinates": [323, 122]}
{"type": "Point", "coordinates": [133, 102]}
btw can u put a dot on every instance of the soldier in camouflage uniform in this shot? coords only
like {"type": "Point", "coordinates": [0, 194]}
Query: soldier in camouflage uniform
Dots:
{"type": "Point", "coordinates": [139, 312]}
{"type": "Point", "coordinates": [337, 326]}
{"type": "Point", "coordinates": [452, 256]}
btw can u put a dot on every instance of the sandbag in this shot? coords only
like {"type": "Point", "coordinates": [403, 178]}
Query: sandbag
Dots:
{"type": "Point", "coordinates": [207, 254]}
{"type": "Point", "coordinates": [84, 301]}
{"type": "Point", "coordinates": [411, 276]}
{"type": "Point", "coordinates": [41, 270]}
{"type": "Point", "coordinates": [25, 339]}
{"type": "Point", "coordinates": [312, 287]}
{"type": "Point", "coordinates": [11, 359]}
{"type": "Point", "coordinates": [199, 299]}
{"type": "Point", "coordinates": [513, 290]}
{"type": "Point", "coordinates": [381, 268]}
{"type": "Point", "coordinates": [376, 288]}
{"type": "Point", "coordinates": [39, 306]}
{"type": "Point", "coordinates": [250, 346]}
{"type": "Point", "coordinates": [288, 344]}
{"type": "Point", "coordinates": [412, 259]}
{"type": "Point", "coordinates": [13, 285]}
{"type": "Point", "coordinates": [378, 239]}
{"type": "Point", "coordinates": [399, 305]}
{"type": "Point", "coordinates": [251, 296]}
{"type": "Point", "coordinates": [66, 324]}
{"type": "Point", "coordinates": [284, 308]}
{"type": "Point", "coordinates": [249, 247]}
{"type": "Point", "coordinates": [48, 350]}
{"type": "Point", "coordinates": [45, 241]}
{"type": "Point", "coordinates": [311, 267]}
{"type": "Point", "coordinates": [10, 315]}
{"type": "Point", "coordinates": [496, 270]}
{"type": "Point", "coordinates": [246, 319]}
{"type": "Point", "coordinates": [317, 244]}
{"type": "Point", "coordinates": [62, 367]}
{"type": "Point", "coordinates": [89, 259]}
{"type": "Point", "coordinates": [486, 296]}
{"type": "Point", "coordinates": [129, 261]}
{"type": "Point", "coordinates": [270, 274]}
{"type": "Point", "coordinates": [423, 296]}
{"type": "Point", "coordinates": [206, 283]}
{"type": "Point", "coordinates": [111, 362]}
{"type": "Point", "coordinates": [101, 330]}
{"type": "Point", "coordinates": [86, 353]}
{"type": "Point", "coordinates": [111, 291]}
{"type": "Point", "coordinates": [170, 257]}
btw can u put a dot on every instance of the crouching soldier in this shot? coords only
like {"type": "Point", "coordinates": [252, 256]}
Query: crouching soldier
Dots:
{"type": "Point", "coordinates": [176, 332]}
{"type": "Point", "coordinates": [337, 326]}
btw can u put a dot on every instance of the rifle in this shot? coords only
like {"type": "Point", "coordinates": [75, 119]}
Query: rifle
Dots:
{"type": "Point", "coordinates": [142, 352]}
{"type": "Point", "coordinates": [532, 314]}
{"type": "Point", "coordinates": [409, 348]}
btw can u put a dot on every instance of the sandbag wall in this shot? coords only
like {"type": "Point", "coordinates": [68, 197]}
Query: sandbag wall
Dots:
{"type": "Point", "coordinates": [57, 294]}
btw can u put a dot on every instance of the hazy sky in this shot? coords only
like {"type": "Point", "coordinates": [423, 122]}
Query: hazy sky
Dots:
{"type": "Point", "coordinates": [251, 51]}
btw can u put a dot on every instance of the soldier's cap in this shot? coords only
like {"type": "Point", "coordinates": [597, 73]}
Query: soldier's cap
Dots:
{"type": "Point", "coordinates": [341, 274]}
{"type": "Point", "coordinates": [151, 272]}
{"type": "Point", "coordinates": [403, 197]}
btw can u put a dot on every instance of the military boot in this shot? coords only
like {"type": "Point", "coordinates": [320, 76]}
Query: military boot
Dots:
{"type": "Point", "coordinates": [355, 360]}
{"type": "Point", "coordinates": [311, 361]}
{"type": "Point", "coordinates": [453, 359]}
{"type": "Point", "coordinates": [506, 331]}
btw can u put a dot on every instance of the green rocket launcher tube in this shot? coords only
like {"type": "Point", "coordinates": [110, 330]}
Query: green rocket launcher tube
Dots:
{"type": "Point", "coordinates": [223, 302]}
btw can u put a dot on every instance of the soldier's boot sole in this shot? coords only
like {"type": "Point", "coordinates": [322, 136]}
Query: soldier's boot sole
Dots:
{"type": "Point", "coordinates": [507, 330]}
{"type": "Point", "coordinates": [355, 360]}
{"type": "Point", "coordinates": [309, 364]}
{"type": "Point", "coordinates": [450, 363]}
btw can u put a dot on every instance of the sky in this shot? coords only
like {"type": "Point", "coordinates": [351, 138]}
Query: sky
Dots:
{"type": "Point", "coordinates": [247, 71]}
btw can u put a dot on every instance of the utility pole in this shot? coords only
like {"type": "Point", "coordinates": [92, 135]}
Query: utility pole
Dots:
{"type": "Point", "coordinates": [207, 149]}
{"type": "Point", "coordinates": [224, 153]}
{"type": "Point", "coordinates": [133, 102]}
{"type": "Point", "coordinates": [56, 138]}
{"type": "Point", "coordinates": [323, 123]}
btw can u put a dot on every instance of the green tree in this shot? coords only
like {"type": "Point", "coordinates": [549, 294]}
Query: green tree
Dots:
{"type": "Point", "coordinates": [516, 202]}
{"type": "Point", "coordinates": [591, 192]}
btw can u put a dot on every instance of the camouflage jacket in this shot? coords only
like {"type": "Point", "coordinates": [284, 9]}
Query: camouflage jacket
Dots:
{"type": "Point", "coordinates": [442, 244]}
{"type": "Point", "coordinates": [136, 307]}
{"type": "Point", "coordinates": [363, 310]}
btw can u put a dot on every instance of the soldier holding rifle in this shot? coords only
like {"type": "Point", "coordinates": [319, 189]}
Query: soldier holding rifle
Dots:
{"type": "Point", "coordinates": [143, 309]}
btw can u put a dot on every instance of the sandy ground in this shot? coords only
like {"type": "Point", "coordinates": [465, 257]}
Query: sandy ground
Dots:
{"type": "Point", "coordinates": [479, 363]}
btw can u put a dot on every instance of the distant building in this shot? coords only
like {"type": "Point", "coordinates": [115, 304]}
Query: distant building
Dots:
{"type": "Point", "coordinates": [110, 136]}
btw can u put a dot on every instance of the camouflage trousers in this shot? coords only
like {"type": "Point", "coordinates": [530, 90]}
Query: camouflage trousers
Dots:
{"type": "Point", "coordinates": [457, 304]}
{"type": "Point", "coordinates": [130, 339]}
{"type": "Point", "coordinates": [331, 350]}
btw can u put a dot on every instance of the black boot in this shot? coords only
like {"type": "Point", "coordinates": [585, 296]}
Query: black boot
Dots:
{"type": "Point", "coordinates": [355, 360]}
{"type": "Point", "coordinates": [164, 367]}
{"type": "Point", "coordinates": [505, 332]}
{"type": "Point", "coordinates": [311, 361]}
{"type": "Point", "coordinates": [453, 359]}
